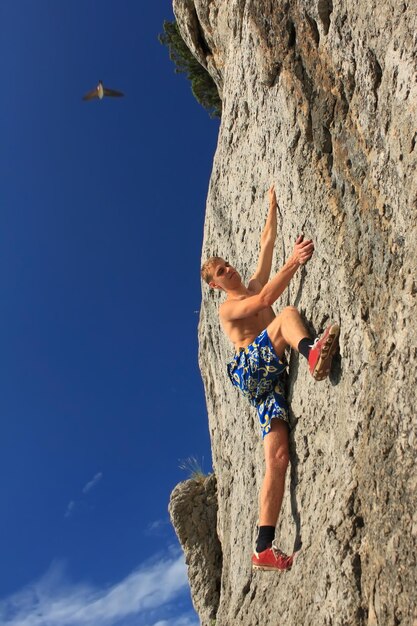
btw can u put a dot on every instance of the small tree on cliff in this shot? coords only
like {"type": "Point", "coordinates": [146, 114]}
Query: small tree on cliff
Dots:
{"type": "Point", "coordinates": [202, 85]}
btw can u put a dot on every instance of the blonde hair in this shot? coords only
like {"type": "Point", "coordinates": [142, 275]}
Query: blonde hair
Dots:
{"type": "Point", "coordinates": [207, 268]}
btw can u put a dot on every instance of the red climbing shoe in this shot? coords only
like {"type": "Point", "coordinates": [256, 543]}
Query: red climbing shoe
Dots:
{"type": "Point", "coordinates": [271, 559]}
{"type": "Point", "coordinates": [321, 353]}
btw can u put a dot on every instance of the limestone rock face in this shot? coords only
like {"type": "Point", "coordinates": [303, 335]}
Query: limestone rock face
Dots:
{"type": "Point", "coordinates": [193, 512]}
{"type": "Point", "coordinates": [319, 98]}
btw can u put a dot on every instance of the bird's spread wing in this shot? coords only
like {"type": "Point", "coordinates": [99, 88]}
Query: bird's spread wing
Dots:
{"type": "Point", "coordinates": [91, 95]}
{"type": "Point", "coordinates": [113, 93]}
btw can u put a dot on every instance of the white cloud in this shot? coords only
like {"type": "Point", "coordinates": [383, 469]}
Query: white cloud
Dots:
{"type": "Point", "coordinates": [157, 527]}
{"type": "Point", "coordinates": [93, 482]}
{"type": "Point", "coordinates": [180, 621]}
{"type": "Point", "coordinates": [70, 508]}
{"type": "Point", "coordinates": [73, 504]}
{"type": "Point", "coordinates": [53, 601]}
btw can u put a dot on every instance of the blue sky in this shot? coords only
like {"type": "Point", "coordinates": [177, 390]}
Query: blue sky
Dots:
{"type": "Point", "coordinates": [102, 211]}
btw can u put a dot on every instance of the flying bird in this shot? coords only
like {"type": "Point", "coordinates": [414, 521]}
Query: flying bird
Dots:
{"type": "Point", "coordinates": [100, 91]}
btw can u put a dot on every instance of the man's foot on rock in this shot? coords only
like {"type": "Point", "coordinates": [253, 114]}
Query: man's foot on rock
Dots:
{"type": "Point", "coordinates": [321, 353]}
{"type": "Point", "coordinates": [271, 559]}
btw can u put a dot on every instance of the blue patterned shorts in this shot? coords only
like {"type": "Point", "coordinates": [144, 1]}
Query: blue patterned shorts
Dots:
{"type": "Point", "coordinates": [258, 373]}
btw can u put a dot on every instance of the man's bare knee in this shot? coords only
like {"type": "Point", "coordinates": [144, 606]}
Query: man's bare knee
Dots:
{"type": "Point", "coordinates": [286, 312]}
{"type": "Point", "coordinates": [287, 329]}
{"type": "Point", "coordinates": [279, 461]}
{"type": "Point", "coordinates": [276, 449]}
{"type": "Point", "coordinates": [291, 309]}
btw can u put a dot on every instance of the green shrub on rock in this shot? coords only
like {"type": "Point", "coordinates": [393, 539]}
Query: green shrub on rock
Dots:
{"type": "Point", "coordinates": [202, 85]}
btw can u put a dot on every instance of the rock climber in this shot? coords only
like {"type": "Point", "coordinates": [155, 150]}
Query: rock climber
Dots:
{"type": "Point", "coordinates": [260, 339]}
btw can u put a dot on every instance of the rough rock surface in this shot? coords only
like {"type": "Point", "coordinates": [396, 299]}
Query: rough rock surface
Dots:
{"type": "Point", "coordinates": [320, 98]}
{"type": "Point", "coordinates": [193, 512]}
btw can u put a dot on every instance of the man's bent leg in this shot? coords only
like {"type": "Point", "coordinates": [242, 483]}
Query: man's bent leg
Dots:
{"type": "Point", "coordinates": [287, 329]}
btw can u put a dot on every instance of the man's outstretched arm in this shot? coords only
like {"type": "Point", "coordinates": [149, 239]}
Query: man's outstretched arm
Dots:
{"type": "Point", "coordinates": [269, 234]}
{"type": "Point", "coordinates": [239, 309]}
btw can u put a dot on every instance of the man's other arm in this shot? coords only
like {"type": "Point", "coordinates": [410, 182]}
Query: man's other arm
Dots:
{"type": "Point", "coordinates": [269, 234]}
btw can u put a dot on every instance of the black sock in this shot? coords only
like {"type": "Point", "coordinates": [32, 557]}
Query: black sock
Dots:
{"type": "Point", "coordinates": [304, 346]}
{"type": "Point", "coordinates": [265, 538]}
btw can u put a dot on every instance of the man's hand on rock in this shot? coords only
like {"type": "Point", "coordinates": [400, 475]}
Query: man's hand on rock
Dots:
{"type": "Point", "coordinates": [303, 250]}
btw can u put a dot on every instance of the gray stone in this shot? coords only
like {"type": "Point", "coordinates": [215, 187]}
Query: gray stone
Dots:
{"type": "Point", "coordinates": [319, 98]}
{"type": "Point", "coordinates": [193, 512]}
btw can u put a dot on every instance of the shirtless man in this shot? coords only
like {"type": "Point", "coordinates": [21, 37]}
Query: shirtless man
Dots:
{"type": "Point", "coordinates": [260, 338]}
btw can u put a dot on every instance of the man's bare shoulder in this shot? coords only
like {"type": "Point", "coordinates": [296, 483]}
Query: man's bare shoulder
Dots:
{"type": "Point", "coordinates": [230, 302]}
{"type": "Point", "coordinates": [255, 286]}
